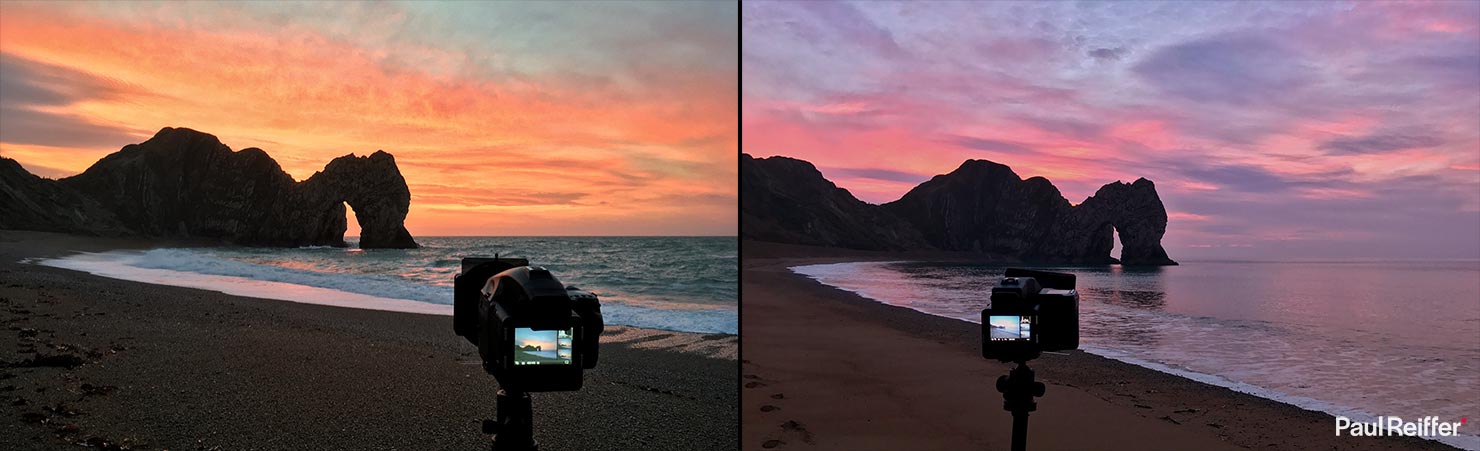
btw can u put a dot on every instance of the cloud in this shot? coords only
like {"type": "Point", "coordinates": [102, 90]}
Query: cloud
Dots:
{"type": "Point", "coordinates": [33, 83]}
{"type": "Point", "coordinates": [1457, 70]}
{"type": "Point", "coordinates": [497, 198]}
{"type": "Point", "coordinates": [853, 26]}
{"type": "Point", "coordinates": [600, 119]}
{"type": "Point", "coordinates": [27, 126]}
{"type": "Point", "coordinates": [889, 175]}
{"type": "Point", "coordinates": [1108, 54]}
{"type": "Point", "coordinates": [990, 145]}
{"type": "Point", "coordinates": [1234, 69]}
{"type": "Point", "coordinates": [1240, 177]}
{"type": "Point", "coordinates": [1380, 143]}
{"type": "Point", "coordinates": [31, 92]}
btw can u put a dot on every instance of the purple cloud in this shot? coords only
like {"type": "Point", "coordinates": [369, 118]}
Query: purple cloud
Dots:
{"type": "Point", "coordinates": [1377, 143]}
{"type": "Point", "coordinates": [888, 175]}
{"type": "Point", "coordinates": [991, 145]}
{"type": "Point", "coordinates": [29, 86]}
{"type": "Point", "coordinates": [1237, 69]}
{"type": "Point", "coordinates": [1291, 126]}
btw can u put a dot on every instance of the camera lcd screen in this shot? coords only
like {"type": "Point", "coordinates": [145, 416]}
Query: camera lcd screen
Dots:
{"type": "Point", "coordinates": [1011, 327]}
{"type": "Point", "coordinates": [542, 347]}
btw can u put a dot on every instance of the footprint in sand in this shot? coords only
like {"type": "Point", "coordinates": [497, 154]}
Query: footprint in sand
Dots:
{"type": "Point", "coordinates": [790, 430]}
{"type": "Point", "coordinates": [778, 396]}
{"type": "Point", "coordinates": [755, 381]}
{"type": "Point", "coordinates": [769, 408]}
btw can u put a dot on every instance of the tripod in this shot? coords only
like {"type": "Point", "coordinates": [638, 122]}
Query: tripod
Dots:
{"type": "Point", "coordinates": [1018, 390]}
{"type": "Point", "coordinates": [514, 429]}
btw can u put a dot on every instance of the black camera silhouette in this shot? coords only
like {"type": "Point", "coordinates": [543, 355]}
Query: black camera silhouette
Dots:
{"type": "Point", "coordinates": [533, 333]}
{"type": "Point", "coordinates": [1031, 312]}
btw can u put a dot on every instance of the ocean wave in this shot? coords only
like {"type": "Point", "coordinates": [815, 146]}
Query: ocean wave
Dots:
{"type": "Point", "coordinates": [202, 261]}
{"type": "Point", "coordinates": [208, 268]}
{"type": "Point", "coordinates": [1296, 362]}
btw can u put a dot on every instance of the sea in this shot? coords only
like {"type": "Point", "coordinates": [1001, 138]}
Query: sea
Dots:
{"type": "Point", "coordinates": [1357, 339]}
{"type": "Point", "coordinates": [687, 284]}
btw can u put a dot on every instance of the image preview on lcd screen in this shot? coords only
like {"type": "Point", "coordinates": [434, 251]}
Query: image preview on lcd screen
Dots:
{"type": "Point", "coordinates": [542, 347]}
{"type": "Point", "coordinates": [1011, 327]}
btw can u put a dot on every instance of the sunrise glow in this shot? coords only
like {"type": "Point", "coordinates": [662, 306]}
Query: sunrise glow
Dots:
{"type": "Point", "coordinates": [505, 119]}
{"type": "Point", "coordinates": [1278, 130]}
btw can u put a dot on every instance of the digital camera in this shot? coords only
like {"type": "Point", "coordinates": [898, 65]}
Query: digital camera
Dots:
{"type": "Point", "coordinates": [533, 333]}
{"type": "Point", "coordinates": [1031, 312]}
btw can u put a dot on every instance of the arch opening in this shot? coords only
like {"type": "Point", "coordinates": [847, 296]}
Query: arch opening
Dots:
{"type": "Point", "coordinates": [351, 222]}
{"type": "Point", "coordinates": [1115, 248]}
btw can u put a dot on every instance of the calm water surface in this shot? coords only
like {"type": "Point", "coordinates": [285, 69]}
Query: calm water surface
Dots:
{"type": "Point", "coordinates": [1359, 339]}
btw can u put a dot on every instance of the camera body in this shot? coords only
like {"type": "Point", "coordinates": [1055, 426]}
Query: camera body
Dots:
{"type": "Point", "coordinates": [1031, 312]}
{"type": "Point", "coordinates": [533, 333]}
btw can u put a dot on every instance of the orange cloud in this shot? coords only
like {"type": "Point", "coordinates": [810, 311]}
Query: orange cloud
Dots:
{"type": "Point", "coordinates": [484, 154]}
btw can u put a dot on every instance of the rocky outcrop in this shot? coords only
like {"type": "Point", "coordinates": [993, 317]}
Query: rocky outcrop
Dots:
{"type": "Point", "coordinates": [372, 185]}
{"type": "Point", "coordinates": [1133, 210]}
{"type": "Point", "coordinates": [981, 207]}
{"type": "Point", "coordinates": [787, 200]}
{"type": "Point", "coordinates": [984, 207]}
{"type": "Point", "coordinates": [186, 184]}
{"type": "Point", "coordinates": [28, 202]}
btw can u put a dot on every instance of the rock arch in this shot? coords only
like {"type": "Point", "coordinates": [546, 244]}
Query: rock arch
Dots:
{"type": "Point", "coordinates": [187, 184]}
{"type": "Point", "coordinates": [371, 185]}
{"type": "Point", "coordinates": [1135, 212]}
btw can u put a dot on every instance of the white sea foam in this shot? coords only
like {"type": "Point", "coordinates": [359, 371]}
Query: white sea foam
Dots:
{"type": "Point", "coordinates": [116, 264]}
{"type": "Point", "coordinates": [207, 269]}
{"type": "Point", "coordinates": [1351, 373]}
{"type": "Point", "coordinates": [204, 262]}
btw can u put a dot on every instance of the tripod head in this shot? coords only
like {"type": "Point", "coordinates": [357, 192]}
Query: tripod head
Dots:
{"type": "Point", "coordinates": [1018, 390]}
{"type": "Point", "coordinates": [514, 428]}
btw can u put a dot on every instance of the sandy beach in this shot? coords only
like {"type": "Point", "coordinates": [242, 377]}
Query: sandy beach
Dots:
{"type": "Point", "coordinates": [825, 368]}
{"type": "Point", "coordinates": [97, 361]}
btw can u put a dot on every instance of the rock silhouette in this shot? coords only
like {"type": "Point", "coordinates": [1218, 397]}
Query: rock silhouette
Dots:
{"type": "Point", "coordinates": [372, 185]}
{"type": "Point", "coordinates": [787, 200]}
{"type": "Point", "coordinates": [28, 202]}
{"type": "Point", "coordinates": [981, 207]}
{"type": "Point", "coordinates": [984, 207]}
{"type": "Point", "coordinates": [1134, 210]}
{"type": "Point", "coordinates": [182, 183]}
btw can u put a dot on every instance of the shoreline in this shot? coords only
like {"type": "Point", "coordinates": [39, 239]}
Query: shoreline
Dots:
{"type": "Point", "coordinates": [93, 260]}
{"type": "Point", "coordinates": [1092, 401]}
{"type": "Point", "coordinates": [94, 360]}
{"type": "Point", "coordinates": [1302, 402]}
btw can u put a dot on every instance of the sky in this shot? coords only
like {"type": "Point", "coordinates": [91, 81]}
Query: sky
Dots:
{"type": "Point", "coordinates": [601, 118]}
{"type": "Point", "coordinates": [1279, 131]}
{"type": "Point", "coordinates": [545, 339]}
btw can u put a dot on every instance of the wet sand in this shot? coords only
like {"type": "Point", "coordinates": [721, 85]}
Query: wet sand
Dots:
{"type": "Point", "coordinates": [825, 368]}
{"type": "Point", "coordinates": [93, 361]}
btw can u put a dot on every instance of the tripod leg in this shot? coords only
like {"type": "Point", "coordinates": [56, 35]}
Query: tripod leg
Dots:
{"type": "Point", "coordinates": [1019, 431]}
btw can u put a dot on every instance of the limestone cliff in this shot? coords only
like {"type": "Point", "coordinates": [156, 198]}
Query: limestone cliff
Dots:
{"type": "Point", "coordinates": [186, 184]}
{"type": "Point", "coordinates": [28, 202]}
{"type": "Point", "coordinates": [788, 200]}
{"type": "Point", "coordinates": [982, 207]}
